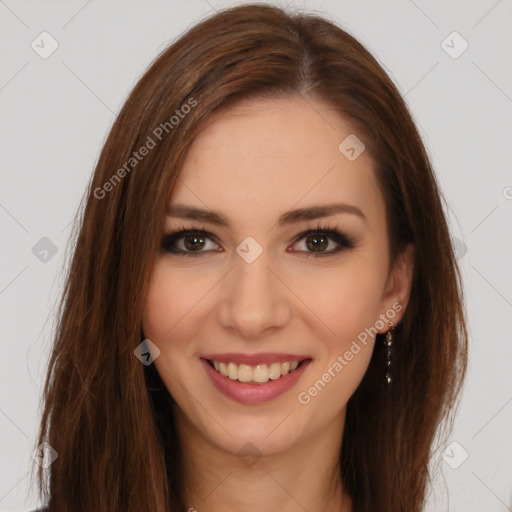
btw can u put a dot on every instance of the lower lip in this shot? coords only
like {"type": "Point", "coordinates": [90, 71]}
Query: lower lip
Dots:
{"type": "Point", "coordinates": [254, 393]}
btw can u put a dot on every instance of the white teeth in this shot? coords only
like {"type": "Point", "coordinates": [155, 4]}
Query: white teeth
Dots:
{"type": "Point", "coordinates": [274, 371]}
{"type": "Point", "coordinates": [260, 373]}
{"type": "Point", "coordinates": [244, 373]}
{"type": "Point", "coordinates": [232, 371]}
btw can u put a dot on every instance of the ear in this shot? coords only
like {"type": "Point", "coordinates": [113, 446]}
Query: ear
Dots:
{"type": "Point", "coordinates": [398, 288]}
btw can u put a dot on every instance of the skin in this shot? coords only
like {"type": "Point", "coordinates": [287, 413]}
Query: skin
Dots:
{"type": "Point", "coordinates": [253, 162]}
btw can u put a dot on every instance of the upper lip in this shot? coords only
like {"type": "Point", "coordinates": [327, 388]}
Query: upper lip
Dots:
{"type": "Point", "coordinates": [255, 359]}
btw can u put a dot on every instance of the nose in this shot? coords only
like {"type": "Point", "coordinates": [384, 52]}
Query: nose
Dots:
{"type": "Point", "coordinates": [254, 301]}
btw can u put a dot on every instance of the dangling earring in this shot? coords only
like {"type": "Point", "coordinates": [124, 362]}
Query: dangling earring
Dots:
{"type": "Point", "coordinates": [389, 344]}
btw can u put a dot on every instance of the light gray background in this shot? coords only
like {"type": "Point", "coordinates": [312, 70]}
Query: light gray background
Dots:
{"type": "Point", "coordinates": [56, 112]}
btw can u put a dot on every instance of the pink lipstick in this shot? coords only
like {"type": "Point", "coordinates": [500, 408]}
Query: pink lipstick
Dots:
{"type": "Point", "coordinates": [254, 378]}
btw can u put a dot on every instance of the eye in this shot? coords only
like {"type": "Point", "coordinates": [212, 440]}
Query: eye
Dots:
{"type": "Point", "coordinates": [187, 242]}
{"type": "Point", "coordinates": [316, 241]}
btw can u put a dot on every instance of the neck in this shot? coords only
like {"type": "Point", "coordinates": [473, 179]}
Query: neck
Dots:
{"type": "Point", "coordinates": [298, 479]}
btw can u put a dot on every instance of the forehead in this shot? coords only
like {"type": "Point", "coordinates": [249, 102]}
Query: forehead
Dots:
{"type": "Point", "coordinates": [262, 157]}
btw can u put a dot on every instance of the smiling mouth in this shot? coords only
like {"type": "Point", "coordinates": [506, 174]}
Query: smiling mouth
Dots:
{"type": "Point", "coordinates": [257, 374]}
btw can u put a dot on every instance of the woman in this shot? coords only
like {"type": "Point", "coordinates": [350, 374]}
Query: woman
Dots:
{"type": "Point", "coordinates": [263, 309]}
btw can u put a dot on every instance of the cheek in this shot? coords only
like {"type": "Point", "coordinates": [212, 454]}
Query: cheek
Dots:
{"type": "Point", "coordinates": [168, 321]}
{"type": "Point", "coordinates": [348, 306]}
{"type": "Point", "coordinates": [346, 299]}
{"type": "Point", "coordinates": [172, 296]}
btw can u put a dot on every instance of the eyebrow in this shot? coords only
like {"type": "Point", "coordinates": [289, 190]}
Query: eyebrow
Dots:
{"type": "Point", "coordinates": [313, 212]}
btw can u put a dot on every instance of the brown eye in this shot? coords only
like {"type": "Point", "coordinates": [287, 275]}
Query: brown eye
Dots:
{"type": "Point", "coordinates": [193, 242]}
{"type": "Point", "coordinates": [317, 243]}
{"type": "Point", "coordinates": [188, 243]}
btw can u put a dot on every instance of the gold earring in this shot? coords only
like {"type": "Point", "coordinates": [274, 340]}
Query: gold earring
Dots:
{"type": "Point", "coordinates": [388, 341]}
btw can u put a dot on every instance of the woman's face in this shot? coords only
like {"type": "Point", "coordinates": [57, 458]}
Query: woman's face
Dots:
{"type": "Point", "coordinates": [253, 294]}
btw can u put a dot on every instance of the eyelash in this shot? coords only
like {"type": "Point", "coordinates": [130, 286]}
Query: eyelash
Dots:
{"type": "Point", "coordinates": [331, 232]}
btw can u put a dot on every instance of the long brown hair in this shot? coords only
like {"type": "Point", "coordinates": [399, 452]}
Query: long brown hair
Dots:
{"type": "Point", "coordinates": [107, 415]}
